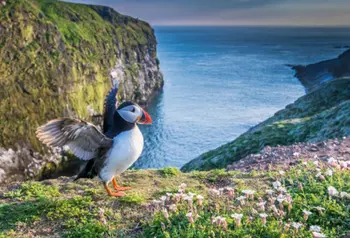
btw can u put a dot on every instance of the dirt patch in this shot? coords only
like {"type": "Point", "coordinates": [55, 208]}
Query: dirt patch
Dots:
{"type": "Point", "coordinates": [282, 157]}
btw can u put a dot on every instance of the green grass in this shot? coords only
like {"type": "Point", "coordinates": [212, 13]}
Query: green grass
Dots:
{"type": "Point", "coordinates": [170, 172]}
{"type": "Point", "coordinates": [83, 209]}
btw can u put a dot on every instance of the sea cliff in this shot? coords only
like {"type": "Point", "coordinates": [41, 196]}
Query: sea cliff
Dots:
{"type": "Point", "coordinates": [317, 116]}
{"type": "Point", "coordinates": [313, 75]}
{"type": "Point", "coordinates": [60, 59]}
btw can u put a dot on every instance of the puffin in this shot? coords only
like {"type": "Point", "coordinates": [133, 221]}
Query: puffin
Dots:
{"type": "Point", "coordinates": [107, 153]}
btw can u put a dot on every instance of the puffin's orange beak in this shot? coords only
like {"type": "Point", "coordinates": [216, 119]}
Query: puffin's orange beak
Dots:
{"type": "Point", "coordinates": [145, 118]}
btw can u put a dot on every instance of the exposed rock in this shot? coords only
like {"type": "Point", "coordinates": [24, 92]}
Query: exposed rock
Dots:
{"type": "Point", "coordinates": [317, 116]}
{"type": "Point", "coordinates": [313, 75]}
{"type": "Point", "coordinates": [59, 58]}
{"type": "Point", "coordinates": [283, 157]}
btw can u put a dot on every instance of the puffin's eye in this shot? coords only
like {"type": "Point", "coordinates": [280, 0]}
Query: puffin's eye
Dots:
{"type": "Point", "coordinates": [133, 109]}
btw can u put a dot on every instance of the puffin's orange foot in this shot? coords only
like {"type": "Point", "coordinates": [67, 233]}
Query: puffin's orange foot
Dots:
{"type": "Point", "coordinates": [119, 188]}
{"type": "Point", "coordinates": [110, 193]}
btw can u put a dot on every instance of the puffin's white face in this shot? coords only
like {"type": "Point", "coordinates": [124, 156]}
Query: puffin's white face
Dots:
{"type": "Point", "coordinates": [135, 114]}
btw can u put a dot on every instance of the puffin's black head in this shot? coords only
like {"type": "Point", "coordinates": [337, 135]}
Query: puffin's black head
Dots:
{"type": "Point", "coordinates": [133, 113]}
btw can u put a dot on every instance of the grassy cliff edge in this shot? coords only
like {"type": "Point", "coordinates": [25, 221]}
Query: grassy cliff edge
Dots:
{"type": "Point", "coordinates": [317, 116]}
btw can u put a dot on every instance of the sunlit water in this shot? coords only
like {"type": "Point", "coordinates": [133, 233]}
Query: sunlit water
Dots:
{"type": "Point", "coordinates": [219, 82]}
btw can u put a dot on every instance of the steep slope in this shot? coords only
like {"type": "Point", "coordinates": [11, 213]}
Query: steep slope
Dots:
{"type": "Point", "coordinates": [312, 75]}
{"type": "Point", "coordinates": [317, 116]}
{"type": "Point", "coordinates": [58, 59]}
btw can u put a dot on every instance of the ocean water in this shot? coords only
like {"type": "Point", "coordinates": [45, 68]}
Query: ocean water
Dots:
{"type": "Point", "coordinates": [220, 81]}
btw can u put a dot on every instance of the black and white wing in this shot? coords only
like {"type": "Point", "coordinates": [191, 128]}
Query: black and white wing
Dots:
{"type": "Point", "coordinates": [109, 108]}
{"type": "Point", "coordinates": [82, 137]}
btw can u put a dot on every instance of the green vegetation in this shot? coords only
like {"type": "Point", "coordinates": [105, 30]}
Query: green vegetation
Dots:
{"type": "Point", "coordinates": [300, 204]}
{"type": "Point", "coordinates": [320, 115]}
{"type": "Point", "coordinates": [58, 60]}
{"type": "Point", "coordinates": [160, 206]}
{"type": "Point", "coordinates": [170, 171]}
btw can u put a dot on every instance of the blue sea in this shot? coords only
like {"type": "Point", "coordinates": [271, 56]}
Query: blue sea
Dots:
{"type": "Point", "coordinates": [221, 81]}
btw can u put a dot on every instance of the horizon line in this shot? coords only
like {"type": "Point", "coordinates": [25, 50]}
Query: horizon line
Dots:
{"type": "Point", "coordinates": [248, 25]}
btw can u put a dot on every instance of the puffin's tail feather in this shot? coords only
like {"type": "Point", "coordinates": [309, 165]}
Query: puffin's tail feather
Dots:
{"type": "Point", "coordinates": [88, 171]}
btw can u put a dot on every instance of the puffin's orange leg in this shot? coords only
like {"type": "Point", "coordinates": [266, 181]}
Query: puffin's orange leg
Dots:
{"type": "Point", "coordinates": [118, 194]}
{"type": "Point", "coordinates": [119, 188]}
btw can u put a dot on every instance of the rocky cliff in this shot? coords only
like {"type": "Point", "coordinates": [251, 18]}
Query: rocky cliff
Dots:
{"type": "Point", "coordinates": [58, 59]}
{"type": "Point", "coordinates": [311, 76]}
{"type": "Point", "coordinates": [317, 116]}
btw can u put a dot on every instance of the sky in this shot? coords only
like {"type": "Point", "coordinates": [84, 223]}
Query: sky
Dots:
{"type": "Point", "coordinates": [234, 12]}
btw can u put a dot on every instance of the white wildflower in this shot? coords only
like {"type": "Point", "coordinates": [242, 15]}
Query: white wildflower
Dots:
{"type": "Point", "coordinates": [214, 192]}
{"type": "Point", "coordinates": [315, 228]}
{"type": "Point", "coordinates": [329, 173]}
{"type": "Point", "coordinates": [344, 195]}
{"type": "Point", "coordinates": [318, 235]}
{"type": "Point", "coordinates": [332, 191]}
{"type": "Point", "coordinates": [276, 184]}
{"type": "Point", "coordinates": [183, 186]}
{"type": "Point", "coordinates": [297, 225]}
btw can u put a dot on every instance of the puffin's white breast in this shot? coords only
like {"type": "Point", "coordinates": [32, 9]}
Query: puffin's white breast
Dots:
{"type": "Point", "coordinates": [127, 147]}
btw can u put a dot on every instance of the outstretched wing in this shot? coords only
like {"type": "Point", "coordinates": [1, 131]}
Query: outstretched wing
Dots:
{"type": "Point", "coordinates": [109, 108]}
{"type": "Point", "coordinates": [83, 138]}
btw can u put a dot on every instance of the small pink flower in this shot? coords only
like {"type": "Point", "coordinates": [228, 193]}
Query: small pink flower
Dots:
{"type": "Point", "coordinates": [220, 222]}
{"type": "Point", "coordinates": [249, 193]}
{"type": "Point", "coordinates": [190, 217]}
{"type": "Point", "coordinates": [273, 208]}
{"type": "Point", "coordinates": [177, 197]}
{"type": "Point", "coordinates": [230, 191]}
{"type": "Point", "coordinates": [101, 213]}
{"type": "Point", "coordinates": [237, 218]}
{"type": "Point", "coordinates": [263, 218]}
{"type": "Point", "coordinates": [306, 214]}
{"type": "Point", "coordinates": [320, 176]}
{"type": "Point", "coordinates": [166, 214]}
{"type": "Point", "coordinates": [300, 186]}
{"type": "Point", "coordinates": [281, 213]}
{"type": "Point", "coordinates": [183, 186]}
{"type": "Point", "coordinates": [173, 208]}
{"type": "Point", "coordinates": [271, 200]}
{"type": "Point", "coordinates": [200, 199]}
{"type": "Point", "coordinates": [287, 226]}
{"type": "Point", "coordinates": [261, 206]}
{"type": "Point", "coordinates": [241, 200]}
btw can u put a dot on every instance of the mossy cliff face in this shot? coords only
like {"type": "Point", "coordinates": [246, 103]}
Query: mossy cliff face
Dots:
{"type": "Point", "coordinates": [58, 59]}
{"type": "Point", "coordinates": [317, 116]}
